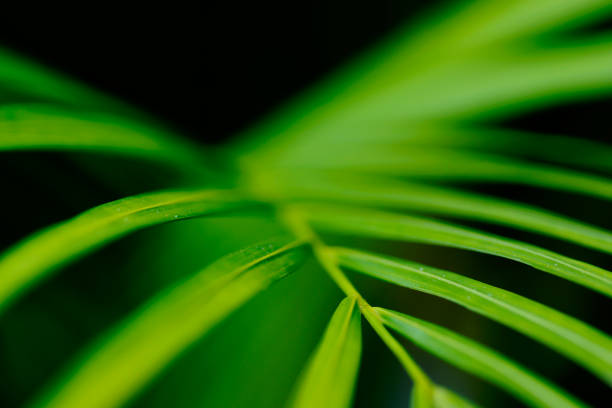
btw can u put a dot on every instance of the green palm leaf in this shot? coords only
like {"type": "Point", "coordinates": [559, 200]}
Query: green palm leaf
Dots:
{"type": "Point", "coordinates": [454, 165]}
{"type": "Point", "coordinates": [381, 192]}
{"type": "Point", "coordinates": [40, 127]}
{"type": "Point", "coordinates": [415, 107]}
{"type": "Point", "coordinates": [38, 255]}
{"type": "Point", "coordinates": [384, 225]}
{"type": "Point", "coordinates": [444, 398]}
{"type": "Point", "coordinates": [567, 335]}
{"type": "Point", "coordinates": [479, 360]}
{"type": "Point", "coordinates": [567, 150]}
{"type": "Point", "coordinates": [329, 379]}
{"type": "Point", "coordinates": [20, 75]}
{"type": "Point", "coordinates": [137, 349]}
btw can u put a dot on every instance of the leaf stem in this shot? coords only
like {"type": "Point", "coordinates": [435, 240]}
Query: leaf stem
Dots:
{"type": "Point", "coordinates": [326, 257]}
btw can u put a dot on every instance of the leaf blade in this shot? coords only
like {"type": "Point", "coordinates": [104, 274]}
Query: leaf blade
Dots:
{"type": "Point", "coordinates": [479, 360]}
{"type": "Point", "coordinates": [445, 398]}
{"type": "Point", "coordinates": [131, 354]}
{"type": "Point", "coordinates": [382, 192]}
{"type": "Point", "coordinates": [440, 164]}
{"type": "Point", "coordinates": [384, 225]}
{"type": "Point", "coordinates": [329, 378]}
{"type": "Point", "coordinates": [568, 150]}
{"type": "Point", "coordinates": [35, 257]}
{"type": "Point", "coordinates": [18, 74]}
{"type": "Point", "coordinates": [567, 335]}
{"type": "Point", "coordinates": [50, 128]}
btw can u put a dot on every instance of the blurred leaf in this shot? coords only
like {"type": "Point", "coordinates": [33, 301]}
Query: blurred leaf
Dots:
{"type": "Point", "coordinates": [501, 82]}
{"type": "Point", "coordinates": [136, 350]}
{"type": "Point", "coordinates": [565, 150]}
{"type": "Point", "coordinates": [384, 192]}
{"type": "Point", "coordinates": [40, 127]}
{"type": "Point", "coordinates": [481, 23]}
{"type": "Point", "coordinates": [444, 398]}
{"type": "Point", "coordinates": [35, 257]}
{"type": "Point", "coordinates": [440, 164]}
{"type": "Point", "coordinates": [329, 378]}
{"type": "Point", "coordinates": [497, 83]}
{"type": "Point", "coordinates": [20, 75]}
{"type": "Point", "coordinates": [479, 360]}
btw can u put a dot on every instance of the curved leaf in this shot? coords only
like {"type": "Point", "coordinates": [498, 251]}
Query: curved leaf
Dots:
{"type": "Point", "coordinates": [329, 378]}
{"type": "Point", "coordinates": [567, 150]}
{"type": "Point", "coordinates": [36, 256]}
{"type": "Point", "coordinates": [382, 192]}
{"type": "Point", "coordinates": [20, 75]}
{"type": "Point", "coordinates": [444, 398]}
{"type": "Point", "coordinates": [455, 165]}
{"type": "Point", "coordinates": [570, 337]}
{"type": "Point", "coordinates": [487, 23]}
{"type": "Point", "coordinates": [32, 127]}
{"type": "Point", "coordinates": [384, 225]}
{"type": "Point", "coordinates": [499, 82]}
{"type": "Point", "coordinates": [130, 355]}
{"type": "Point", "coordinates": [479, 360]}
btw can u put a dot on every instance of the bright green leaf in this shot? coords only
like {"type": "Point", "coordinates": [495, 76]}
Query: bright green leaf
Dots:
{"type": "Point", "coordinates": [36, 256]}
{"type": "Point", "coordinates": [378, 224]}
{"type": "Point", "coordinates": [32, 127]}
{"type": "Point", "coordinates": [570, 337]}
{"type": "Point", "coordinates": [480, 361]}
{"type": "Point", "coordinates": [130, 355]}
{"type": "Point", "coordinates": [382, 192]}
{"type": "Point", "coordinates": [489, 23]}
{"type": "Point", "coordinates": [444, 398]}
{"type": "Point", "coordinates": [329, 379]}
{"type": "Point", "coordinates": [454, 165]}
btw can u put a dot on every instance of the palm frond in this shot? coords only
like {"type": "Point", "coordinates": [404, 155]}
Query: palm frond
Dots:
{"type": "Point", "coordinates": [479, 360]}
{"type": "Point", "coordinates": [571, 337]}
{"type": "Point", "coordinates": [378, 224]}
{"type": "Point", "coordinates": [37, 256]}
{"type": "Point", "coordinates": [330, 377]}
{"type": "Point", "coordinates": [414, 108]}
{"type": "Point", "coordinates": [51, 128]}
{"type": "Point", "coordinates": [444, 201]}
{"type": "Point", "coordinates": [19, 75]}
{"type": "Point", "coordinates": [132, 353]}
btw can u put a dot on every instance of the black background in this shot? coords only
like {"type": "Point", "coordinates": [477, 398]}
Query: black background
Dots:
{"type": "Point", "coordinates": [209, 68]}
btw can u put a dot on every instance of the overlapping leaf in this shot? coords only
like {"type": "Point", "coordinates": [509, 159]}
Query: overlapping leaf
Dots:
{"type": "Point", "coordinates": [381, 192]}
{"type": "Point", "coordinates": [480, 361]}
{"type": "Point", "coordinates": [441, 164]}
{"type": "Point", "coordinates": [136, 350]}
{"type": "Point", "coordinates": [383, 225]}
{"type": "Point", "coordinates": [36, 256]}
{"type": "Point", "coordinates": [40, 127]}
{"type": "Point", "coordinates": [470, 64]}
{"type": "Point", "coordinates": [571, 337]}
